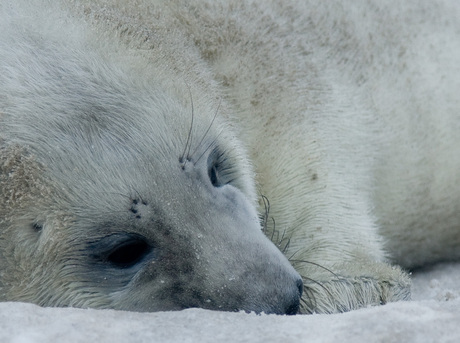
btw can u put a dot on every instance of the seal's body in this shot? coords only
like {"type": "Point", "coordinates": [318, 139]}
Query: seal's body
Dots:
{"type": "Point", "coordinates": [142, 145]}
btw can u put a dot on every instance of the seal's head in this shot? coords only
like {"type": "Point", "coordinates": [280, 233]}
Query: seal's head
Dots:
{"type": "Point", "coordinates": [113, 197]}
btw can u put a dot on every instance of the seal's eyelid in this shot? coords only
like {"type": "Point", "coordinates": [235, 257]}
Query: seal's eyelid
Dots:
{"type": "Point", "coordinates": [121, 250]}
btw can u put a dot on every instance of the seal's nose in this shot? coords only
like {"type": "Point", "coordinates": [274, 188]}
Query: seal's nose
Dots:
{"type": "Point", "coordinates": [300, 286]}
{"type": "Point", "coordinates": [293, 307]}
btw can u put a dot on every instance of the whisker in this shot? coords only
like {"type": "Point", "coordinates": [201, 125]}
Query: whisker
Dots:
{"type": "Point", "coordinates": [116, 193]}
{"type": "Point", "coordinates": [286, 247]}
{"type": "Point", "coordinates": [282, 236]}
{"type": "Point", "coordinates": [207, 130]}
{"type": "Point", "coordinates": [188, 143]}
{"type": "Point", "coordinates": [140, 197]}
{"type": "Point", "coordinates": [279, 241]}
{"type": "Point", "coordinates": [317, 283]}
{"type": "Point", "coordinates": [209, 147]}
{"type": "Point", "coordinates": [126, 196]}
{"type": "Point", "coordinates": [290, 258]}
{"type": "Point", "coordinates": [84, 210]}
{"type": "Point", "coordinates": [273, 232]}
{"type": "Point", "coordinates": [311, 296]}
{"type": "Point", "coordinates": [266, 203]}
{"type": "Point", "coordinates": [317, 265]}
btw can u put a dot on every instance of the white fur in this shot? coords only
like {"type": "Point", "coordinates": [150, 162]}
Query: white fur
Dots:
{"type": "Point", "coordinates": [349, 110]}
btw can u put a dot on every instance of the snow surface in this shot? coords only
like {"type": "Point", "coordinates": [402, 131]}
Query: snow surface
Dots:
{"type": "Point", "coordinates": [432, 316]}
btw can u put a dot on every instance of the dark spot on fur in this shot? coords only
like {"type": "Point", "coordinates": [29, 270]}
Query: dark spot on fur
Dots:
{"type": "Point", "coordinates": [314, 177]}
{"type": "Point", "coordinates": [37, 227]}
{"type": "Point", "coordinates": [135, 203]}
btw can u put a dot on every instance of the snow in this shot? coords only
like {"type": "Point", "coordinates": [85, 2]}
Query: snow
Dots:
{"type": "Point", "coordinates": [432, 316]}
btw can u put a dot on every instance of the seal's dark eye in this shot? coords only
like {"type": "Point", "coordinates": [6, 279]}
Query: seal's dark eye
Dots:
{"type": "Point", "coordinates": [214, 176]}
{"type": "Point", "coordinates": [121, 250]}
{"type": "Point", "coordinates": [220, 171]}
{"type": "Point", "coordinates": [128, 253]}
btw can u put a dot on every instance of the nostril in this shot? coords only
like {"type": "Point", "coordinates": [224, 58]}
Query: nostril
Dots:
{"type": "Point", "coordinates": [293, 308]}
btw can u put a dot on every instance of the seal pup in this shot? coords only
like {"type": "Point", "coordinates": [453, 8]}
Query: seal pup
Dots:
{"type": "Point", "coordinates": [130, 134]}
{"type": "Point", "coordinates": [121, 187]}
